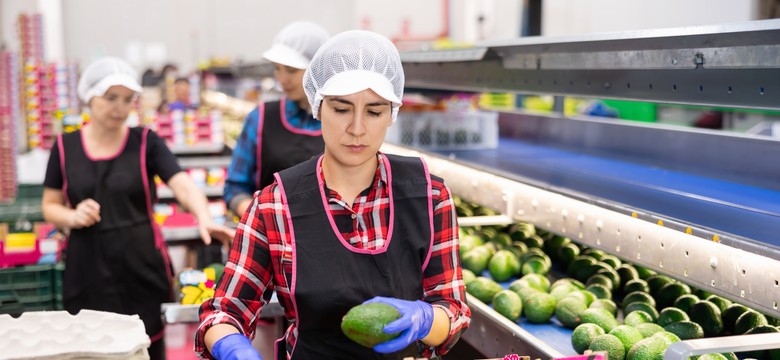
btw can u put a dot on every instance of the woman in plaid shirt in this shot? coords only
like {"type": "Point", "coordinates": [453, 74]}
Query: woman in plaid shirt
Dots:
{"type": "Point", "coordinates": [351, 226]}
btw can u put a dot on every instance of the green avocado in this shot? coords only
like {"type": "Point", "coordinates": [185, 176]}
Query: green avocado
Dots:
{"type": "Point", "coordinates": [364, 323]}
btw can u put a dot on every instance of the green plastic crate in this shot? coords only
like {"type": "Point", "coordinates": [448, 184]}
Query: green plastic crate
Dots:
{"type": "Point", "coordinates": [22, 210]}
{"type": "Point", "coordinates": [27, 288]}
{"type": "Point", "coordinates": [28, 191]}
{"type": "Point", "coordinates": [26, 206]}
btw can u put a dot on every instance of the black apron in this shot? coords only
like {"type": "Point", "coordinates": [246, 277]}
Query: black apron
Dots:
{"type": "Point", "coordinates": [280, 145]}
{"type": "Point", "coordinates": [119, 264]}
{"type": "Point", "coordinates": [330, 276]}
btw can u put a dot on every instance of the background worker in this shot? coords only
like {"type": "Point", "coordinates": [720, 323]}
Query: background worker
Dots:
{"type": "Point", "coordinates": [277, 134]}
{"type": "Point", "coordinates": [99, 187]}
{"type": "Point", "coordinates": [181, 95]}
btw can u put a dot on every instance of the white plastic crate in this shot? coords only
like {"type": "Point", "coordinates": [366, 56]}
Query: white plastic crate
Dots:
{"type": "Point", "coordinates": [448, 130]}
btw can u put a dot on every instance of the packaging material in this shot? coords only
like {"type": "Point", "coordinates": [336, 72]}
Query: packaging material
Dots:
{"type": "Point", "coordinates": [86, 335]}
{"type": "Point", "coordinates": [190, 127]}
{"type": "Point", "coordinates": [9, 117]}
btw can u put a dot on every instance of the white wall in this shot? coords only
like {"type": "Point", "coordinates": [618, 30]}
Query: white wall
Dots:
{"type": "Point", "coordinates": [502, 19]}
{"type": "Point", "coordinates": [187, 31]}
{"type": "Point", "coordinates": [423, 17]}
{"type": "Point", "coordinates": [571, 17]}
{"type": "Point", "coordinates": [426, 19]}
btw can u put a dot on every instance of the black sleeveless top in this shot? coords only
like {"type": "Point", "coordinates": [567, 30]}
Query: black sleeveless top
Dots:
{"type": "Point", "coordinates": [121, 263]}
{"type": "Point", "coordinates": [281, 145]}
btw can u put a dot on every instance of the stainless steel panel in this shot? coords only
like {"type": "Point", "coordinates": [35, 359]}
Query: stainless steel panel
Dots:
{"type": "Point", "coordinates": [468, 54]}
{"type": "Point", "coordinates": [724, 65]}
{"type": "Point", "coordinates": [760, 56]}
{"type": "Point", "coordinates": [732, 87]}
{"type": "Point", "coordinates": [683, 350]}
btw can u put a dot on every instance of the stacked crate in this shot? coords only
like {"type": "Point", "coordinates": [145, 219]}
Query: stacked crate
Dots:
{"type": "Point", "coordinates": [40, 132]}
{"type": "Point", "coordinates": [190, 127]}
{"type": "Point", "coordinates": [27, 288]}
{"type": "Point", "coordinates": [9, 117]}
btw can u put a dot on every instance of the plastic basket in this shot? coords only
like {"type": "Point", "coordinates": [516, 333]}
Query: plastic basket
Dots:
{"type": "Point", "coordinates": [452, 130]}
{"type": "Point", "coordinates": [30, 191]}
{"type": "Point", "coordinates": [23, 209]}
{"type": "Point", "coordinates": [26, 288]}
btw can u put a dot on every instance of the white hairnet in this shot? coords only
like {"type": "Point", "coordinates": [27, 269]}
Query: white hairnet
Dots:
{"type": "Point", "coordinates": [296, 44]}
{"type": "Point", "coordinates": [105, 73]}
{"type": "Point", "coordinates": [354, 61]}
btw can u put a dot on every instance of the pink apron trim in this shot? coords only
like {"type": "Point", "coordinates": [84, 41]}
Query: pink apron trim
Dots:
{"type": "Point", "coordinates": [335, 229]}
{"type": "Point", "coordinates": [293, 129]}
{"type": "Point", "coordinates": [430, 213]}
{"type": "Point", "coordinates": [61, 149]}
{"type": "Point", "coordinates": [294, 276]}
{"type": "Point", "coordinates": [159, 241]}
{"type": "Point", "coordinates": [100, 158]}
{"type": "Point", "coordinates": [157, 336]}
{"type": "Point", "coordinates": [62, 169]}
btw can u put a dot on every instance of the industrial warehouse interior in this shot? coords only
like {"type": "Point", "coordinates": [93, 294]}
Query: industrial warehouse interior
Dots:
{"type": "Point", "coordinates": [453, 179]}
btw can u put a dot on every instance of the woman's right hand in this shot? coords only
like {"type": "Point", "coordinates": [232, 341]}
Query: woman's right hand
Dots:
{"type": "Point", "coordinates": [86, 214]}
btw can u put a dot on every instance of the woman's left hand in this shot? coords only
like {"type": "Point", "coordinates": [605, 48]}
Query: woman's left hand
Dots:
{"type": "Point", "coordinates": [414, 324]}
{"type": "Point", "coordinates": [208, 230]}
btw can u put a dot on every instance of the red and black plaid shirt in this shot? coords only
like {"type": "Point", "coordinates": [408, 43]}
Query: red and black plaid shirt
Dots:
{"type": "Point", "coordinates": [261, 256]}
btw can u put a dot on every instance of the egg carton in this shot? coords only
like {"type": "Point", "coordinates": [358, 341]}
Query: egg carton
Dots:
{"type": "Point", "coordinates": [88, 335]}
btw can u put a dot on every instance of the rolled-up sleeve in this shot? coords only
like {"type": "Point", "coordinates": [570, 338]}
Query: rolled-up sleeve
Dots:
{"type": "Point", "coordinates": [443, 280]}
{"type": "Point", "coordinates": [238, 298]}
{"type": "Point", "coordinates": [242, 173]}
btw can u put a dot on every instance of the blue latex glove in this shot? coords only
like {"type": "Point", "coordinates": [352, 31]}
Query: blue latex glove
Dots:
{"type": "Point", "coordinates": [414, 324]}
{"type": "Point", "coordinates": [234, 347]}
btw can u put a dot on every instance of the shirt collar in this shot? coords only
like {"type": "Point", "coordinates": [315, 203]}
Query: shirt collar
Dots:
{"type": "Point", "coordinates": [294, 110]}
{"type": "Point", "coordinates": [380, 177]}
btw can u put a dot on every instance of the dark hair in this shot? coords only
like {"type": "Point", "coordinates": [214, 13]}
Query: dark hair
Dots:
{"type": "Point", "coordinates": [169, 67]}
{"type": "Point", "coordinates": [163, 107]}
{"type": "Point", "coordinates": [182, 80]}
{"type": "Point", "coordinates": [149, 78]}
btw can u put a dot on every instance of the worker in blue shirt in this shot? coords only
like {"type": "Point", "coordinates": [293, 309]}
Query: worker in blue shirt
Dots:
{"type": "Point", "coordinates": [277, 134]}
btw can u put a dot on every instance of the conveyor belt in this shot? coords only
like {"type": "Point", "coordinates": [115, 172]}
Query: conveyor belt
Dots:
{"type": "Point", "coordinates": [738, 209]}
{"type": "Point", "coordinates": [553, 334]}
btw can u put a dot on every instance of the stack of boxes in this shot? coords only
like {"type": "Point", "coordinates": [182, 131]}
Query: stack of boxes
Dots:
{"type": "Point", "coordinates": [9, 117]}
{"type": "Point", "coordinates": [65, 82]}
{"type": "Point", "coordinates": [48, 90]}
{"type": "Point", "coordinates": [40, 132]}
{"type": "Point", "coordinates": [190, 127]}
{"type": "Point", "coordinates": [49, 125]}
